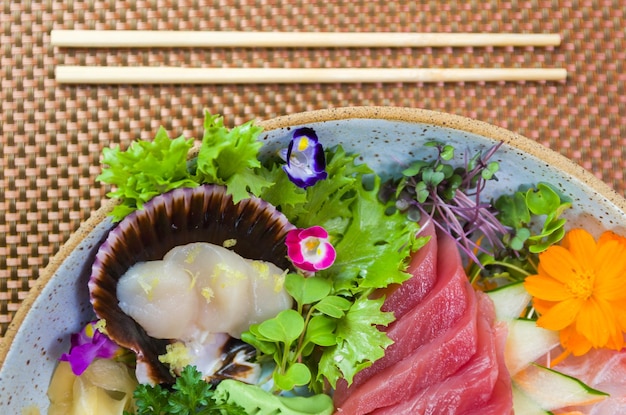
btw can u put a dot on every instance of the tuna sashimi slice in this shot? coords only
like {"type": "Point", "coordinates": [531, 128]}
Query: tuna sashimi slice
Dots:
{"type": "Point", "coordinates": [428, 364]}
{"type": "Point", "coordinates": [501, 400]}
{"type": "Point", "coordinates": [423, 268]}
{"type": "Point", "coordinates": [436, 313]}
{"type": "Point", "coordinates": [471, 386]}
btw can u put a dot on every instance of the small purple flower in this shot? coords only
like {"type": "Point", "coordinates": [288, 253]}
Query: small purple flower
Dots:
{"type": "Point", "coordinates": [305, 158]}
{"type": "Point", "coordinates": [87, 345]}
{"type": "Point", "coordinates": [309, 249]}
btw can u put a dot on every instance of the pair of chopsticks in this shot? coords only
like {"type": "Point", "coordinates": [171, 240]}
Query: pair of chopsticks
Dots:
{"type": "Point", "coordinates": [68, 74]}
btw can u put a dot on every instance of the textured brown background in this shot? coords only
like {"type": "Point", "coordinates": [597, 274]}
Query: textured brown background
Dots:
{"type": "Point", "coordinates": [51, 135]}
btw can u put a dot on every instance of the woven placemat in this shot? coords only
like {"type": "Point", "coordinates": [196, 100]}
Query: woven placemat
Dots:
{"type": "Point", "coordinates": [52, 135]}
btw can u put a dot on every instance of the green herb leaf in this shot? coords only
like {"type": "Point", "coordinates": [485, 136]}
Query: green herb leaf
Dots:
{"type": "Point", "coordinates": [415, 168]}
{"type": "Point", "coordinates": [298, 374]}
{"type": "Point", "coordinates": [328, 203]}
{"type": "Point", "coordinates": [372, 252]}
{"type": "Point", "coordinates": [283, 192]}
{"type": "Point", "coordinates": [321, 331]}
{"type": "Point", "coordinates": [513, 210]}
{"type": "Point", "coordinates": [190, 395]}
{"type": "Point", "coordinates": [542, 200]}
{"type": "Point", "coordinates": [285, 327]}
{"type": "Point", "coordinates": [146, 169]}
{"type": "Point", "coordinates": [255, 400]}
{"type": "Point", "coordinates": [230, 157]}
{"type": "Point", "coordinates": [333, 306]}
{"type": "Point", "coordinates": [360, 341]}
{"type": "Point", "coordinates": [307, 290]}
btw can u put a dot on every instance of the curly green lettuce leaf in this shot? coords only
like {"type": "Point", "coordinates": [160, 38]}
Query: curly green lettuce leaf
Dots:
{"type": "Point", "coordinates": [359, 342]}
{"type": "Point", "coordinates": [146, 169]}
{"type": "Point", "coordinates": [230, 157]}
{"type": "Point", "coordinates": [372, 252]}
{"type": "Point", "coordinates": [328, 202]}
{"type": "Point", "coordinates": [283, 192]}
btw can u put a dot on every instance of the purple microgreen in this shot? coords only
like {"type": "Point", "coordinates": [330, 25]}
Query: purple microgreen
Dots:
{"type": "Point", "coordinates": [305, 158]}
{"type": "Point", "coordinates": [452, 196]}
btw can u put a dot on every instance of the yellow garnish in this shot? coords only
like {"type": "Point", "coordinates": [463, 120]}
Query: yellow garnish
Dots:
{"type": "Point", "coordinates": [192, 254]}
{"type": "Point", "coordinates": [279, 281]}
{"type": "Point", "coordinates": [101, 326]}
{"type": "Point", "coordinates": [229, 243]}
{"type": "Point", "coordinates": [194, 278]}
{"type": "Point", "coordinates": [228, 272]}
{"type": "Point", "coordinates": [261, 268]}
{"type": "Point", "coordinates": [207, 293]}
{"type": "Point", "coordinates": [176, 355]}
{"type": "Point", "coordinates": [148, 287]}
{"type": "Point", "coordinates": [580, 291]}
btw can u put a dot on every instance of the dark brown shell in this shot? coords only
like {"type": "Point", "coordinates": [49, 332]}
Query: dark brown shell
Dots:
{"type": "Point", "coordinates": [201, 214]}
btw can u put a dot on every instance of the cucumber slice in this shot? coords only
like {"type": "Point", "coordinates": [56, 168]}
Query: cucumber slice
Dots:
{"type": "Point", "coordinates": [509, 300]}
{"type": "Point", "coordinates": [523, 405]}
{"type": "Point", "coordinates": [525, 343]}
{"type": "Point", "coordinates": [553, 390]}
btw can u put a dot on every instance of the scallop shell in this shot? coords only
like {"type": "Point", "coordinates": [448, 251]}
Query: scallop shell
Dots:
{"type": "Point", "coordinates": [200, 214]}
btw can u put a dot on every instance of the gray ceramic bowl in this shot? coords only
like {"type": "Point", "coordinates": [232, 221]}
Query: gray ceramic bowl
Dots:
{"type": "Point", "coordinates": [386, 137]}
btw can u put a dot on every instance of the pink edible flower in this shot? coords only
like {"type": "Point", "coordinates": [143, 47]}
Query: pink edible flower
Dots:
{"type": "Point", "coordinates": [87, 345]}
{"type": "Point", "coordinates": [309, 249]}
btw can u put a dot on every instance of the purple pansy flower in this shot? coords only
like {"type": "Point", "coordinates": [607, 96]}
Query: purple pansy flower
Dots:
{"type": "Point", "coordinates": [309, 249]}
{"type": "Point", "coordinates": [87, 345]}
{"type": "Point", "coordinates": [306, 162]}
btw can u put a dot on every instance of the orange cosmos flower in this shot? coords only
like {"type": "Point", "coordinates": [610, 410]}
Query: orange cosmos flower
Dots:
{"type": "Point", "coordinates": [580, 291]}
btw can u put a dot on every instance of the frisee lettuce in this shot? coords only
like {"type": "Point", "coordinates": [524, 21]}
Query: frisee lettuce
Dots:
{"type": "Point", "coordinates": [146, 169]}
{"type": "Point", "coordinates": [229, 157]}
{"type": "Point", "coordinates": [150, 168]}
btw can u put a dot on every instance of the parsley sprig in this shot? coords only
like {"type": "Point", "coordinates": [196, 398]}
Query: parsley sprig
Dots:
{"type": "Point", "coordinates": [190, 395]}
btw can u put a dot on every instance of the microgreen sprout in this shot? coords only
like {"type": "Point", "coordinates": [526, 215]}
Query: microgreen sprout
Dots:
{"type": "Point", "coordinates": [452, 196]}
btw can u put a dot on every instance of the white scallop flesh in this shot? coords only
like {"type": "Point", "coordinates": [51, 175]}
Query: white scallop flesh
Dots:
{"type": "Point", "coordinates": [200, 289]}
{"type": "Point", "coordinates": [160, 300]}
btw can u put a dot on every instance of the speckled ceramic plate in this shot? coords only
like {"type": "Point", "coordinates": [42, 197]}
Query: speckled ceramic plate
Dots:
{"type": "Point", "coordinates": [387, 139]}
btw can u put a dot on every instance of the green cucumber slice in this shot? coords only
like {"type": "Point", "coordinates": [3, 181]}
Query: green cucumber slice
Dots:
{"type": "Point", "coordinates": [523, 405]}
{"type": "Point", "coordinates": [553, 390]}
{"type": "Point", "coordinates": [509, 300]}
{"type": "Point", "coordinates": [525, 343]}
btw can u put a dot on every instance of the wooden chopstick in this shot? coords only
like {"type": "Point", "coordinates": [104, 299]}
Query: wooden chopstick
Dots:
{"type": "Point", "coordinates": [175, 75]}
{"type": "Point", "coordinates": [201, 39]}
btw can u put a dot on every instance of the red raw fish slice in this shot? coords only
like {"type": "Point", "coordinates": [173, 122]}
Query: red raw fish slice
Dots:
{"type": "Point", "coordinates": [470, 387]}
{"type": "Point", "coordinates": [501, 400]}
{"type": "Point", "coordinates": [423, 268]}
{"type": "Point", "coordinates": [428, 364]}
{"type": "Point", "coordinates": [438, 311]}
